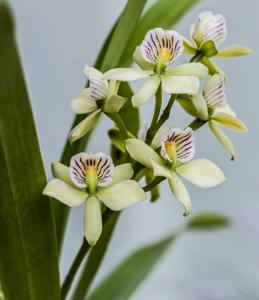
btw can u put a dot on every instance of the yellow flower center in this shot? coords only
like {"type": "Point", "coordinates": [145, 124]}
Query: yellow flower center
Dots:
{"type": "Point", "coordinates": [170, 148]}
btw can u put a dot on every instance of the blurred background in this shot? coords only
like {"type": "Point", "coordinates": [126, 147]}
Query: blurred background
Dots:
{"type": "Point", "coordinates": [56, 39]}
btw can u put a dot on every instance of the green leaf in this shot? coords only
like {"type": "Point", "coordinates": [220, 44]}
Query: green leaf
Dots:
{"type": "Point", "coordinates": [116, 139]}
{"type": "Point", "coordinates": [122, 282]}
{"type": "Point", "coordinates": [163, 13]}
{"type": "Point", "coordinates": [28, 250]}
{"type": "Point", "coordinates": [208, 221]}
{"type": "Point", "coordinates": [95, 258]}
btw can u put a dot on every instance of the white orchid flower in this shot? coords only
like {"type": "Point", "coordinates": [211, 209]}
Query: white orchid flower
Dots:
{"type": "Point", "coordinates": [175, 161]}
{"type": "Point", "coordinates": [207, 33]}
{"type": "Point", "coordinates": [94, 179]}
{"type": "Point", "coordinates": [156, 53]}
{"type": "Point", "coordinates": [99, 89]}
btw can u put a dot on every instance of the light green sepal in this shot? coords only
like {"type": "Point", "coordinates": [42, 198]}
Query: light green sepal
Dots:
{"type": "Point", "coordinates": [122, 172]}
{"type": "Point", "coordinates": [142, 153]}
{"type": "Point", "coordinates": [84, 127]}
{"type": "Point", "coordinates": [186, 103]}
{"type": "Point", "coordinates": [161, 170]}
{"type": "Point", "coordinates": [82, 104]}
{"type": "Point", "coordinates": [114, 103]}
{"type": "Point", "coordinates": [121, 195]}
{"type": "Point", "coordinates": [190, 69]}
{"type": "Point", "coordinates": [223, 139]}
{"type": "Point", "coordinates": [63, 192]}
{"type": "Point", "coordinates": [233, 51]}
{"type": "Point", "coordinates": [61, 172]}
{"type": "Point", "coordinates": [181, 193]}
{"type": "Point", "coordinates": [189, 48]}
{"type": "Point", "coordinates": [92, 220]}
{"type": "Point", "coordinates": [208, 48]}
{"type": "Point", "coordinates": [229, 121]}
{"type": "Point", "coordinates": [201, 172]}
{"type": "Point", "coordinates": [201, 107]}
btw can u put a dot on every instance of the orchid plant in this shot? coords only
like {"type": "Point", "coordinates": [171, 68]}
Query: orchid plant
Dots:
{"type": "Point", "coordinates": [167, 151]}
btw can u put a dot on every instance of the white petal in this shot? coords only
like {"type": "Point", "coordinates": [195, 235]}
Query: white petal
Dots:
{"type": "Point", "coordinates": [82, 104]}
{"type": "Point", "coordinates": [147, 91]}
{"type": "Point", "coordinates": [63, 192]}
{"type": "Point", "coordinates": [214, 91]}
{"type": "Point", "coordinates": [184, 142]}
{"type": "Point", "coordinates": [122, 195]}
{"type": "Point", "coordinates": [210, 27]}
{"type": "Point", "coordinates": [98, 84]}
{"type": "Point", "coordinates": [202, 172]}
{"type": "Point", "coordinates": [180, 84]}
{"type": "Point", "coordinates": [122, 172]}
{"type": "Point", "coordinates": [84, 127]}
{"type": "Point", "coordinates": [190, 69]}
{"type": "Point", "coordinates": [80, 162]}
{"type": "Point", "coordinates": [142, 153]}
{"type": "Point", "coordinates": [140, 61]}
{"type": "Point", "coordinates": [126, 74]}
{"type": "Point", "coordinates": [181, 194]}
{"type": "Point", "coordinates": [159, 170]}
{"type": "Point", "coordinates": [161, 42]}
{"type": "Point", "coordinates": [92, 221]}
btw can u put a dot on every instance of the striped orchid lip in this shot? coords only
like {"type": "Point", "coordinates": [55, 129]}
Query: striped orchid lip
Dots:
{"type": "Point", "coordinates": [83, 165]}
{"type": "Point", "coordinates": [98, 84]}
{"type": "Point", "coordinates": [160, 44]}
{"type": "Point", "coordinates": [180, 140]}
{"type": "Point", "coordinates": [209, 26]}
{"type": "Point", "coordinates": [214, 92]}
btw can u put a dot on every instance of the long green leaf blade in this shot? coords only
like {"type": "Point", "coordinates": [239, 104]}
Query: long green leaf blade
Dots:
{"type": "Point", "coordinates": [28, 253]}
{"type": "Point", "coordinates": [163, 13]}
{"type": "Point", "coordinates": [126, 278]}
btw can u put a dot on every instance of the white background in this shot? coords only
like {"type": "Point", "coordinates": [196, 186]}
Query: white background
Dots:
{"type": "Point", "coordinates": [56, 39]}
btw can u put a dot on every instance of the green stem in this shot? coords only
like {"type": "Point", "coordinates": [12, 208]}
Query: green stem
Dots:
{"type": "Point", "coordinates": [153, 183]}
{"type": "Point", "coordinates": [156, 113]}
{"type": "Point", "coordinates": [116, 118]}
{"type": "Point", "coordinates": [196, 124]}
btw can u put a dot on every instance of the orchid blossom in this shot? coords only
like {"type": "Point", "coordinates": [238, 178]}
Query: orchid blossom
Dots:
{"type": "Point", "coordinates": [157, 52]}
{"type": "Point", "coordinates": [86, 103]}
{"type": "Point", "coordinates": [92, 178]}
{"type": "Point", "coordinates": [177, 150]}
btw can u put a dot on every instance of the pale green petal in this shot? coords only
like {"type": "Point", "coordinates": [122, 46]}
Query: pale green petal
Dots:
{"type": "Point", "coordinates": [223, 139]}
{"type": "Point", "coordinates": [84, 127]}
{"type": "Point", "coordinates": [65, 193]}
{"type": "Point", "coordinates": [230, 122]}
{"type": "Point", "coordinates": [201, 172]}
{"type": "Point", "coordinates": [159, 136]}
{"type": "Point", "coordinates": [122, 195]}
{"type": "Point", "coordinates": [140, 61]}
{"type": "Point", "coordinates": [147, 91]}
{"type": "Point", "coordinates": [225, 109]}
{"type": "Point", "coordinates": [190, 69]}
{"type": "Point", "coordinates": [122, 172]}
{"type": "Point", "coordinates": [180, 84]}
{"type": "Point", "coordinates": [92, 221]}
{"type": "Point", "coordinates": [201, 107]}
{"type": "Point", "coordinates": [181, 194]}
{"type": "Point", "coordinates": [159, 170]}
{"type": "Point", "coordinates": [187, 104]}
{"type": "Point", "coordinates": [61, 172]}
{"type": "Point", "coordinates": [233, 51]}
{"type": "Point", "coordinates": [114, 103]}
{"type": "Point", "coordinates": [82, 104]}
{"type": "Point", "coordinates": [126, 74]}
{"type": "Point", "coordinates": [189, 48]}
{"type": "Point", "coordinates": [142, 153]}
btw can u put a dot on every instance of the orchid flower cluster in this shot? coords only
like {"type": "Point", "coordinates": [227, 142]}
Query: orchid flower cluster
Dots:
{"type": "Point", "coordinates": [167, 152]}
